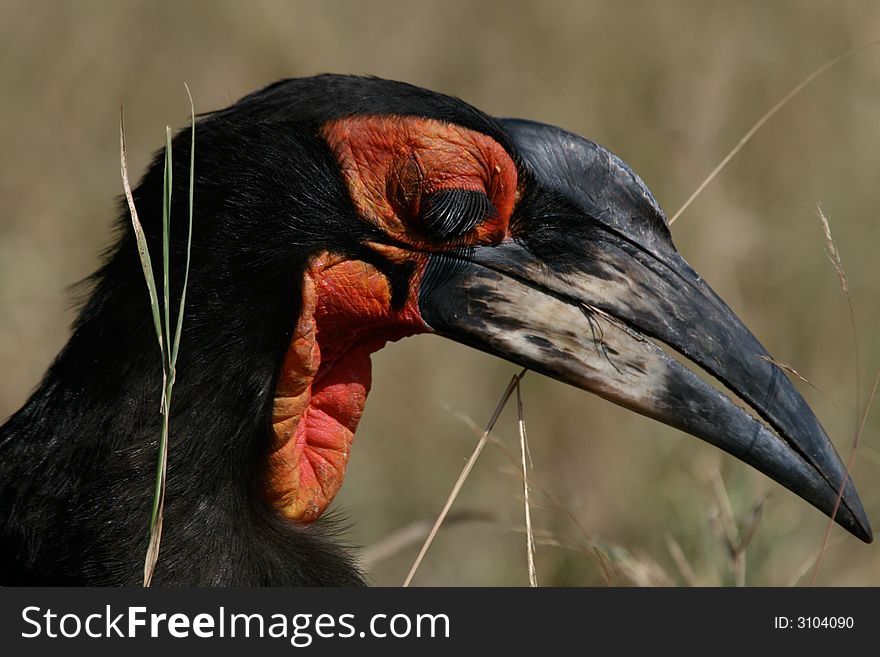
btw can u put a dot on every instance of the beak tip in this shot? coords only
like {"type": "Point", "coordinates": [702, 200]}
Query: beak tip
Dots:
{"type": "Point", "coordinates": [864, 531]}
{"type": "Point", "coordinates": [852, 517]}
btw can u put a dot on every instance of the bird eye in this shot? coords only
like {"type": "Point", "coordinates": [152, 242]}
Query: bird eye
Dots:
{"type": "Point", "coordinates": [453, 212]}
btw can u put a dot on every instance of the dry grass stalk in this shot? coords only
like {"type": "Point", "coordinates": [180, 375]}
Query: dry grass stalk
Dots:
{"type": "Point", "coordinates": [849, 463]}
{"type": "Point", "coordinates": [464, 475]}
{"type": "Point", "coordinates": [684, 567]}
{"type": "Point", "coordinates": [788, 368]}
{"type": "Point", "coordinates": [766, 117]}
{"type": "Point", "coordinates": [734, 540]}
{"type": "Point", "coordinates": [640, 568]}
{"type": "Point", "coordinates": [589, 546]}
{"type": "Point", "coordinates": [415, 532]}
{"type": "Point", "coordinates": [833, 253]}
{"type": "Point", "coordinates": [523, 445]}
{"type": "Point", "coordinates": [834, 256]}
{"type": "Point", "coordinates": [860, 418]}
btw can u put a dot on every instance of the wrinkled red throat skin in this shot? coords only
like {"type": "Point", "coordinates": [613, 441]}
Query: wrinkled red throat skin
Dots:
{"type": "Point", "coordinates": [346, 315]}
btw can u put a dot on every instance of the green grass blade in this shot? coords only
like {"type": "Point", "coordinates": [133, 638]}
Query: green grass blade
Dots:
{"type": "Point", "coordinates": [143, 250]}
{"type": "Point", "coordinates": [192, 168]}
{"type": "Point", "coordinates": [157, 514]}
{"type": "Point", "coordinates": [158, 312]}
{"type": "Point", "coordinates": [166, 229]}
{"type": "Point", "coordinates": [169, 353]}
{"type": "Point", "coordinates": [158, 511]}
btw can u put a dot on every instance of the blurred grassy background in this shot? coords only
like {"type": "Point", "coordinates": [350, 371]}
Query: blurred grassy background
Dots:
{"type": "Point", "coordinates": [669, 86]}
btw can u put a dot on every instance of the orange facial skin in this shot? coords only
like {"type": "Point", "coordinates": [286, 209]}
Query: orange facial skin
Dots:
{"type": "Point", "coordinates": [388, 163]}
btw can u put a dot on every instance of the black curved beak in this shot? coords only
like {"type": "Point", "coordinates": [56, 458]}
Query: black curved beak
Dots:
{"type": "Point", "coordinates": [590, 279]}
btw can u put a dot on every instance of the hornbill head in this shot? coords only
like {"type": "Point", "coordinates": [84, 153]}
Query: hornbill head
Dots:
{"type": "Point", "coordinates": [334, 214]}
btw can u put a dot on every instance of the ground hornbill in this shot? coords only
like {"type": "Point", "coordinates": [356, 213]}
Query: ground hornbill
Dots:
{"type": "Point", "coordinates": [334, 214]}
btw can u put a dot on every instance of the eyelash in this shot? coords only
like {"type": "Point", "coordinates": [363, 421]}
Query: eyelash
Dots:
{"type": "Point", "coordinates": [450, 213]}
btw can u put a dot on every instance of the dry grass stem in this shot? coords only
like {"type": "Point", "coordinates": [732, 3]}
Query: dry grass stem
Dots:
{"type": "Point", "coordinates": [412, 534]}
{"type": "Point", "coordinates": [834, 256]}
{"type": "Point", "coordinates": [766, 117]}
{"type": "Point", "coordinates": [684, 567]}
{"type": "Point", "coordinates": [860, 418]}
{"type": "Point", "coordinates": [849, 463]}
{"type": "Point", "coordinates": [788, 368]}
{"type": "Point", "coordinates": [523, 445]}
{"type": "Point", "coordinates": [642, 570]}
{"type": "Point", "coordinates": [805, 567]}
{"type": "Point", "coordinates": [833, 253]}
{"type": "Point", "coordinates": [140, 238]}
{"type": "Point", "coordinates": [464, 475]}
{"type": "Point", "coordinates": [639, 568]}
{"type": "Point", "coordinates": [589, 546]}
{"type": "Point", "coordinates": [734, 540]}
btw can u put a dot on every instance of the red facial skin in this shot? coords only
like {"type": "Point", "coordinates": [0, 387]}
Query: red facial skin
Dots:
{"type": "Point", "coordinates": [346, 314]}
{"type": "Point", "coordinates": [390, 162]}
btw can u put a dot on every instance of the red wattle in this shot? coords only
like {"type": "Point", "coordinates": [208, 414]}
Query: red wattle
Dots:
{"type": "Point", "coordinates": [346, 315]}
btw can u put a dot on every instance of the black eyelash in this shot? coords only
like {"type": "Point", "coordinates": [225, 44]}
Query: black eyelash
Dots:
{"type": "Point", "coordinates": [454, 212]}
